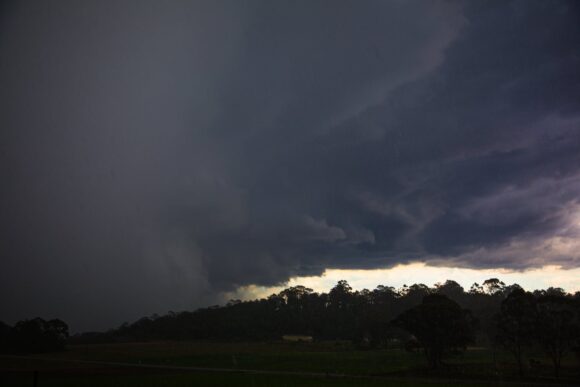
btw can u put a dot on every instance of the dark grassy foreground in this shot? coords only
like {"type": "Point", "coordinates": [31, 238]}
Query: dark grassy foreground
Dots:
{"type": "Point", "coordinates": [336, 364]}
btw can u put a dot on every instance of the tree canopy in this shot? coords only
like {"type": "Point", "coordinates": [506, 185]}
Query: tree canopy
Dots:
{"type": "Point", "coordinates": [440, 325]}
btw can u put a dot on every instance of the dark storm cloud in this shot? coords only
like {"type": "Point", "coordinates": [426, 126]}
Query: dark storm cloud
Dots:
{"type": "Point", "coordinates": [154, 155]}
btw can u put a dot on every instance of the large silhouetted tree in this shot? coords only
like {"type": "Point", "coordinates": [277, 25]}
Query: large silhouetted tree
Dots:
{"type": "Point", "coordinates": [451, 289]}
{"type": "Point", "coordinates": [516, 324]}
{"type": "Point", "coordinates": [557, 326]}
{"type": "Point", "coordinates": [440, 325]}
{"type": "Point", "coordinates": [493, 286]}
{"type": "Point", "coordinates": [340, 313]}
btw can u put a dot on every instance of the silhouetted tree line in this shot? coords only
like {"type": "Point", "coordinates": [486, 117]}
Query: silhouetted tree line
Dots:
{"type": "Point", "coordinates": [34, 336]}
{"type": "Point", "coordinates": [439, 320]}
{"type": "Point", "coordinates": [547, 319]}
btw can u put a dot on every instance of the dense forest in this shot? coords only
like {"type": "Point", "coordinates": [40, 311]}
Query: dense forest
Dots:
{"type": "Point", "coordinates": [365, 316]}
{"type": "Point", "coordinates": [34, 336]}
{"type": "Point", "coordinates": [439, 320]}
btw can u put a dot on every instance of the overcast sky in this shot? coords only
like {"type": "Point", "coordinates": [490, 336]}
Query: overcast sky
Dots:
{"type": "Point", "coordinates": [155, 155]}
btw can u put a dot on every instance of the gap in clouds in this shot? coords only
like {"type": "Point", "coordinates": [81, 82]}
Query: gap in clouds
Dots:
{"type": "Point", "coordinates": [416, 273]}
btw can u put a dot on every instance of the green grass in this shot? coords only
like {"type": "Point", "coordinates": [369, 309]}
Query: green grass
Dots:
{"type": "Point", "coordinates": [391, 367]}
{"type": "Point", "coordinates": [206, 379]}
{"type": "Point", "coordinates": [264, 356]}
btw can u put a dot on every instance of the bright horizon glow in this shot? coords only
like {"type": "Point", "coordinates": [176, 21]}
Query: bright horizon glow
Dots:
{"type": "Point", "coordinates": [415, 273]}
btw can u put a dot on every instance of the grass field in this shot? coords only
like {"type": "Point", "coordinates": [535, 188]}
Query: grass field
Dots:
{"type": "Point", "coordinates": [265, 364]}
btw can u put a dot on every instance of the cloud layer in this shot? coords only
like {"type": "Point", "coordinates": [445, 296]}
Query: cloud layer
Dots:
{"type": "Point", "coordinates": [154, 155]}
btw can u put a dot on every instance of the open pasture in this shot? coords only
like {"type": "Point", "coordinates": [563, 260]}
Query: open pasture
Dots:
{"type": "Point", "coordinates": [264, 364]}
